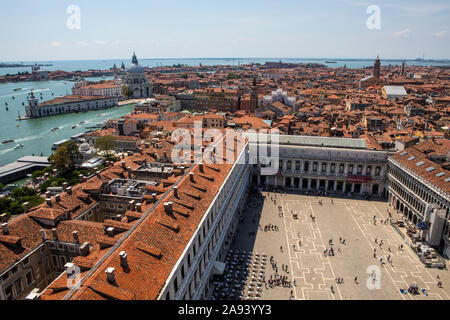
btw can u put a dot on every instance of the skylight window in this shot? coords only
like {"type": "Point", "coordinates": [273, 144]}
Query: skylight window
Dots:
{"type": "Point", "coordinates": [403, 153]}
{"type": "Point", "coordinates": [411, 158]}
{"type": "Point", "coordinates": [440, 174]}
{"type": "Point", "coordinates": [447, 180]}
{"type": "Point", "coordinates": [420, 163]}
{"type": "Point", "coordinates": [430, 169]}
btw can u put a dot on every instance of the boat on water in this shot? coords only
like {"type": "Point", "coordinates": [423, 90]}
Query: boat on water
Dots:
{"type": "Point", "coordinates": [74, 126]}
{"type": "Point", "coordinates": [18, 146]}
{"type": "Point", "coordinates": [17, 89]}
{"type": "Point", "coordinates": [330, 61]}
{"type": "Point", "coordinates": [7, 141]}
{"type": "Point", "coordinates": [54, 129]}
{"type": "Point", "coordinates": [82, 122]}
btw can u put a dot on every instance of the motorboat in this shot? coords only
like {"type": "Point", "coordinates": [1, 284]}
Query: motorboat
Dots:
{"type": "Point", "coordinates": [54, 129]}
{"type": "Point", "coordinates": [18, 146]}
{"type": "Point", "coordinates": [17, 89]}
{"type": "Point", "coordinates": [7, 141]}
{"type": "Point", "coordinates": [74, 126]}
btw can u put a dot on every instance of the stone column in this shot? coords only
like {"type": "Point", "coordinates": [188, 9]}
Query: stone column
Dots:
{"type": "Point", "coordinates": [309, 183]}
{"type": "Point", "coordinates": [335, 186]}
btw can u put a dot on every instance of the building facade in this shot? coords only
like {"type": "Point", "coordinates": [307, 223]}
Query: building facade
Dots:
{"type": "Point", "coordinates": [67, 104]}
{"type": "Point", "coordinates": [136, 80]}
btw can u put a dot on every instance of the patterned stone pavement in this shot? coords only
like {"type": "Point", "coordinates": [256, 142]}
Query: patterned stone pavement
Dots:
{"type": "Point", "coordinates": [314, 272]}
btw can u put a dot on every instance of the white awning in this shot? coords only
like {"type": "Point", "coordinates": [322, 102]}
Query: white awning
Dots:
{"type": "Point", "coordinates": [218, 268]}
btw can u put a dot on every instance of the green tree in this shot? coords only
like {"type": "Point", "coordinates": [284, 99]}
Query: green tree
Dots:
{"type": "Point", "coordinates": [231, 76]}
{"type": "Point", "coordinates": [126, 91]}
{"type": "Point", "coordinates": [105, 144]}
{"type": "Point", "coordinates": [64, 157]}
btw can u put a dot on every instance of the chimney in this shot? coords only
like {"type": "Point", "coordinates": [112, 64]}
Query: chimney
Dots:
{"type": "Point", "coordinates": [48, 194]}
{"type": "Point", "coordinates": [55, 235]}
{"type": "Point", "coordinates": [132, 205]}
{"type": "Point", "coordinates": [43, 235]}
{"type": "Point", "coordinates": [154, 197]}
{"type": "Point", "coordinates": [124, 165]}
{"type": "Point", "coordinates": [3, 218]}
{"type": "Point", "coordinates": [202, 170]}
{"type": "Point", "coordinates": [65, 185]}
{"type": "Point", "coordinates": [5, 228]}
{"type": "Point", "coordinates": [81, 177]}
{"type": "Point", "coordinates": [175, 191]}
{"type": "Point", "coordinates": [139, 207]}
{"type": "Point", "coordinates": [84, 249]}
{"type": "Point", "coordinates": [123, 259]}
{"type": "Point", "coordinates": [168, 207]}
{"type": "Point", "coordinates": [75, 237]}
{"type": "Point", "coordinates": [55, 172]}
{"type": "Point", "coordinates": [110, 231]}
{"type": "Point", "coordinates": [97, 173]}
{"type": "Point", "coordinates": [165, 154]}
{"type": "Point", "coordinates": [33, 295]}
{"type": "Point", "coordinates": [69, 265]}
{"type": "Point", "coordinates": [48, 201]}
{"type": "Point", "coordinates": [58, 198]}
{"type": "Point", "coordinates": [26, 206]}
{"type": "Point", "coordinates": [69, 190]}
{"type": "Point", "coordinates": [110, 275]}
{"type": "Point", "coordinates": [191, 176]}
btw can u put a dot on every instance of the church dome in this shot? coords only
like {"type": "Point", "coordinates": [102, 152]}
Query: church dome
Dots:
{"type": "Point", "coordinates": [84, 147]}
{"type": "Point", "coordinates": [134, 66]}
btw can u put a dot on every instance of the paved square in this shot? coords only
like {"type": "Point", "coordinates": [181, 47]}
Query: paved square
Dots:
{"type": "Point", "coordinates": [313, 271]}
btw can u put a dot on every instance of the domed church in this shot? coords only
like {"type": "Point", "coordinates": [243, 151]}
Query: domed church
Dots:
{"type": "Point", "coordinates": [136, 81]}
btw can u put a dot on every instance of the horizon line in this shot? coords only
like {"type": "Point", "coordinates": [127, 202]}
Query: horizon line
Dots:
{"type": "Point", "coordinates": [232, 58]}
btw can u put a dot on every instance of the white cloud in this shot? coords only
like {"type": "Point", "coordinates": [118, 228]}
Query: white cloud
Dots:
{"type": "Point", "coordinates": [56, 44]}
{"type": "Point", "coordinates": [402, 32]}
{"type": "Point", "coordinates": [101, 42]}
{"type": "Point", "coordinates": [441, 33]}
{"type": "Point", "coordinates": [81, 43]}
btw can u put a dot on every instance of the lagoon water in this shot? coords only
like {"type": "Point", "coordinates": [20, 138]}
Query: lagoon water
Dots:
{"type": "Point", "coordinates": [36, 134]}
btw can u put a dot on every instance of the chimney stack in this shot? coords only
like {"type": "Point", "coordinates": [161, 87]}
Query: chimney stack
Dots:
{"type": "Point", "coordinates": [48, 194]}
{"type": "Point", "coordinates": [202, 170]}
{"type": "Point", "coordinates": [110, 275]}
{"type": "Point", "coordinates": [58, 198]}
{"type": "Point", "coordinates": [69, 190]}
{"type": "Point", "coordinates": [80, 177]}
{"type": "Point", "coordinates": [43, 235]}
{"type": "Point", "coordinates": [3, 218]}
{"type": "Point", "coordinates": [124, 165]}
{"type": "Point", "coordinates": [26, 206]}
{"type": "Point", "coordinates": [48, 201]}
{"type": "Point", "coordinates": [5, 228]}
{"type": "Point", "coordinates": [123, 259]}
{"type": "Point", "coordinates": [139, 207]}
{"type": "Point", "coordinates": [33, 295]}
{"type": "Point", "coordinates": [110, 231]}
{"type": "Point", "coordinates": [132, 205]}
{"type": "Point", "coordinates": [165, 154]}
{"type": "Point", "coordinates": [154, 197]}
{"type": "Point", "coordinates": [55, 234]}
{"type": "Point", "coordinates": [168, 207]}
{"type": "Point", "coordinates": [191, 176]}
{"type": "Point", "coordinates": [75, 237]}
{"type": "Point", "coordinates": [175, 191]}
{"type": "Point", "coordinates": [65, 185]}
{"type": "Point", "coordinates": [98, 173]}
{"type": "Point", "coordinates": [84, 249]}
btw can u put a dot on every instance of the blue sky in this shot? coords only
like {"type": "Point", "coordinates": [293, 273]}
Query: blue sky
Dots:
{"type": "Point", "coordinates": [37, 30]}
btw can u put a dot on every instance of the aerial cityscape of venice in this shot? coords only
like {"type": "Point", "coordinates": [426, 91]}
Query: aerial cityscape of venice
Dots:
{"type": "Point", "coordinates": [231, 151]}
